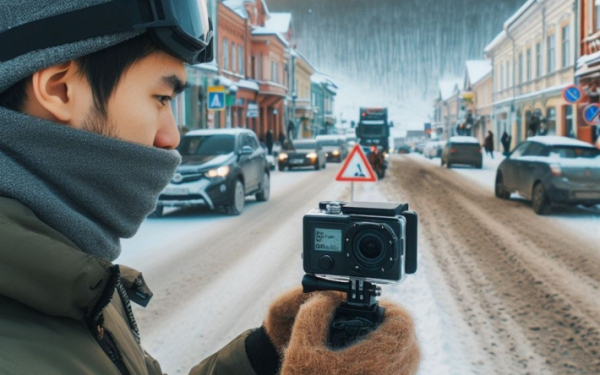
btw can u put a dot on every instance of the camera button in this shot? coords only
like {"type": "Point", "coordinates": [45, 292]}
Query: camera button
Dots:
{"type": "Point", "coordinates": [326, 262]}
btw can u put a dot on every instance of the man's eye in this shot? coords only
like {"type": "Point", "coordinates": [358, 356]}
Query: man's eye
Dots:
{"type": "Point", "coordinates": [164, 100]}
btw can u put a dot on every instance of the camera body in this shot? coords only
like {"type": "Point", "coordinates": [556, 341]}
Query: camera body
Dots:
{"type": "Point", "coordinates": [376, 242]}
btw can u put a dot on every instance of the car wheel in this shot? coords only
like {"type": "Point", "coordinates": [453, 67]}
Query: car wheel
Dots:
{"type": "Point", "coordinates": [540, 202]}
{"type": "Point", "coordinates": [265, 193]}
{"type": "Point", "coordinates": [238, 199]}
{"type": "Point", "coordinates": [500, 191]}
{"type": "Point", "coordinates": [157, 212]}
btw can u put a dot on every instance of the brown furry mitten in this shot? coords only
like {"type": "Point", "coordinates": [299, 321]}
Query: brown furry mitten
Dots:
{"type": "Point", "coordinates": [392, 349]}
{"type": "Point", "coordinates": [281, 316]}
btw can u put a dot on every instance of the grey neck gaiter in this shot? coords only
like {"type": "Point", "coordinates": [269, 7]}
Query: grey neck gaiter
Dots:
{"type": "Point", "coordinates": [92, 189]}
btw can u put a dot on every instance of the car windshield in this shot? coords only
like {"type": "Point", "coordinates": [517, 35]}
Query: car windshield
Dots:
{"type": "Point", "coordinates": [570, 152]}
{"type": "Point", "coordinates": [305, 145]}
{"type": "Point", "coordinates": [330, 142]}
{"type": "Point", "coordinates": [201, 145]}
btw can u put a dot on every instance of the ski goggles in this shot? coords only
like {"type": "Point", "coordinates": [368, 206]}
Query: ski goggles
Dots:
{"type": "Point", "coordinates": [179, 27]}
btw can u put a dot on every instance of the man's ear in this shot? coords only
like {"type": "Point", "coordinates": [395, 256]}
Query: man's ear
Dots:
{"type": "Point", "coordinates": [60, 91]}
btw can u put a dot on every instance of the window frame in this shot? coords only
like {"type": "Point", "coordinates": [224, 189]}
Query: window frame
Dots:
{"type": "Point", "coordinates": [551, 53]}
{"type": "Point", "coordinates": [225, 54]}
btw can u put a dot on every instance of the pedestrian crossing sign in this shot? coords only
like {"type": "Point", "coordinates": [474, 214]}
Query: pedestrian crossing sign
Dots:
{"type": "Point", "coordinates": [357, 167]}
{"type": "Point", "coordinates": [216, 98]}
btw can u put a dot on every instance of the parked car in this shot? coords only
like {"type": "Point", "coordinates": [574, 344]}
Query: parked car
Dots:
{"type": "Point", "coordinates": [462, 150]}
{"type": "Point", "coordinates": [549, 170]}
{"type": "Point", "coordinates": [302, 153]}
{"type": "Point", "coordinates": [404, 149]}
{"type": "Point", "coordinates": [434, 149]}
{"type": "Point", "coordinates": [219, 169]}
{"type": "Point", "coordinates": [334, 146]}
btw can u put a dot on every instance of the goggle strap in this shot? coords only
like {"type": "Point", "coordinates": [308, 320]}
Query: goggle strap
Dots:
{"type": "Point", "coordinates": [80, 24]}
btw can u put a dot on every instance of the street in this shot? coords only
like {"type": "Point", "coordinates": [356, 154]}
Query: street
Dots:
{"type": "Point", "coordinates": [499, 289]}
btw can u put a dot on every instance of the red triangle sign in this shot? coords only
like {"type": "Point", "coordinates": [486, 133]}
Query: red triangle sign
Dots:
{"type": "Point", "coordinates": [357, 167]}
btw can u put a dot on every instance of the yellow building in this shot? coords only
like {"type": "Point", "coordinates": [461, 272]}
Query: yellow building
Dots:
{"type": "Point", "coordinates": [304, 112]}
{"type": "Point", "coordinates": [533, 61]}
{"type": "Point", "coordinates": [478, 98]}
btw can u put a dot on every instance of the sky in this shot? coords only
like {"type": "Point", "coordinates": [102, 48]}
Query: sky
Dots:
{"type": "Point", "coordinates": [396, 50]}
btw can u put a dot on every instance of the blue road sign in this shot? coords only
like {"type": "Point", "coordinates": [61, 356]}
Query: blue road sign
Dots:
{"type": "Point", "coordinates": [572, 94]}
{"type": "Point", "coordinates": [590, 113]}
{"type": "Point", "coordinates": [216, 100]}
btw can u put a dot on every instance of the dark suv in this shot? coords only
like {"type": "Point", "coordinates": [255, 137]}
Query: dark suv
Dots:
{"type": "Point", "coordinates": [219, 169]}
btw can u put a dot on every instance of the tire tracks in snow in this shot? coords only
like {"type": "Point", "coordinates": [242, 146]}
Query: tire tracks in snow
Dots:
{"type": "Point", "coordinates": [528, 288]}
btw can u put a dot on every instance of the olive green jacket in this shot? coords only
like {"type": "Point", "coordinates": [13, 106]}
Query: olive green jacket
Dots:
{"type": "Point", "coordinates": [65, 312]}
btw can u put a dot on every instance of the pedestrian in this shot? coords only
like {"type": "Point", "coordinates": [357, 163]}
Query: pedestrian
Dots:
{"type": "Point", "coordinates": [506, 140]}
{"type": "Point", "coordinates": [87, 140]}
{"type": "Point", "coordinates": [281, 139]}
{"type": "Point", "coordinates": [269, 141]}
{"type": "Point", "coordinates": [489, 143]}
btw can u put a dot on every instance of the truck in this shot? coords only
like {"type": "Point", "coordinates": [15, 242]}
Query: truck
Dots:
{"type": "Point", "coordinates": [373, 133]}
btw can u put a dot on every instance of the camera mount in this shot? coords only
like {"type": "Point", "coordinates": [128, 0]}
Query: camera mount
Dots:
{"type": "Point", "coordinates": [356, 317]}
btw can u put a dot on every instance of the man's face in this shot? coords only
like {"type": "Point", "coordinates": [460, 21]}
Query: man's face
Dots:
{"type": "Point", "coordinates": [140, 111]}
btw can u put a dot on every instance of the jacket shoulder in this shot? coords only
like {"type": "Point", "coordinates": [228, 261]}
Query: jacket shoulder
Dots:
{"type": "Point", "coordinates": [16, 216]}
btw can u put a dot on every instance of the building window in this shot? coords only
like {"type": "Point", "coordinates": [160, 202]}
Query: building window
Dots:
{"type": "Point", "coordinates": [568, 111]}
{"type": "Point", "coordinates": [521, 68]}
{"type": "Point", "coordinates": [538, 60]}
{"type": "Point", "coordinates": [507, 75]}
{"type": "Point", "coordinates": [501, 77]}
{"type": "Point", "coordinates": [225, 54]}
{"type": "Point", "coordinates": [528, 65]}
{"type": "Point", "coordinates": [566, 46]}
{"type": "Point", "coordinates": [551, 53]}
{"type": "Point", "coordinates": [233, 58]}
{"type": "Point", "coordinates": [550, 128]}
{"type": "Point", "coordinates": [274, 72]}
{"type": "Point", "coordinates": [241, 58]}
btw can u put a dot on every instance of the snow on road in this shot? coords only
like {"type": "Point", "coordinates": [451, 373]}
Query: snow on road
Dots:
{"type": "Point", "coordinates": [585, 221]}
{"type": "Point", "coordinates": [237, 295]}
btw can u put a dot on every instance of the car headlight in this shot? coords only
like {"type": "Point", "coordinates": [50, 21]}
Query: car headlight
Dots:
{"type": "Point", "coordinates": [336, 153]}
{"type": "Point", "coordinates": [219, 172]}
{"type": "Point", "coordinates": [311, 155]}
{"type": "Point", "coordinates": [556, 170]}
{"type": "Point", "coordinates": [283, 156]}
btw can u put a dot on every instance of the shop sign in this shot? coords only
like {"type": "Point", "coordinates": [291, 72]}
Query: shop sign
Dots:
{"type": "Point", "coordinates": [252, 110]}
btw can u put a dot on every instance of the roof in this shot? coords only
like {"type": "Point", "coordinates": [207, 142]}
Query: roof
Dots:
{"type": "Point", "coordinates": [237, 6]}
{"type": "Point", "coordinates": [477, 70]}
{"type": "Point", "coordinates": [555, 140]}
{"type": "Point", "coordinates": [325, 81]}
{"type": "Point", "coordinates": [217, 131]}
{"type": "Point", "coordinates": [449, 88]}
{"type": "Point", "coordinates": [503, 35]}
{"type": "Point", "coordinates": [496, 42]}
{"type": "Point", "coordinates": [247, 84]}
{"type": "Point", "coordinates": [279, 22]}
{"type": "Point", "coordinates": [264, 31]}
{"type": "Point", "coordinates": [296, 53]}
{"type": "Point", "coordinates": [463, 139]}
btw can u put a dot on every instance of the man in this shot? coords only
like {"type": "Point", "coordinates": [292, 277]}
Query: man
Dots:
{"type": "Point", "coordinates": [87, 142]}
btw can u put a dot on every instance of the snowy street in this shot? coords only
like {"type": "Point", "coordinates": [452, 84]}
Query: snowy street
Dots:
{"type": "Point", "coordinates": [499, 289]}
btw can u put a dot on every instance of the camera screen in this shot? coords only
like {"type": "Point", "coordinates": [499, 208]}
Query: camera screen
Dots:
{"type": "Point", "coordinates": [328, 240]}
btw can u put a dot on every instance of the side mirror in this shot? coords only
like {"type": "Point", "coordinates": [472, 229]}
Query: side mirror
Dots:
{"type": "Point", "coordinates": [246, 150]}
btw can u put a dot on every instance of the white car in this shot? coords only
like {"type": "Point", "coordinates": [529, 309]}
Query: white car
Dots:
{"type": "Point", "coordinates": [433, 149]}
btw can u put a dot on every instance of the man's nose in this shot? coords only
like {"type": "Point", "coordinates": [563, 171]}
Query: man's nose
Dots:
{"type": "Point", "coordinates": [167, 136]}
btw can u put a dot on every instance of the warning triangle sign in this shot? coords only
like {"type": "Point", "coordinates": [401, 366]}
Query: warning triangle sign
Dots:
{"type": "Point", "coordinates": [357, 167]}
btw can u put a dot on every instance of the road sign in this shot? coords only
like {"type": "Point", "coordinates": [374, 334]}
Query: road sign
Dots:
{"type": "Point", "coordinates": [572, 94]}
{"type": "Point", "coordinates": [252, 111]}
{"type": "Point", "coordinates": [357, 168]}
{"type": "Point", "coordinates": [590, 114]}
{"type": "Point", "coordinates": [216, 98]}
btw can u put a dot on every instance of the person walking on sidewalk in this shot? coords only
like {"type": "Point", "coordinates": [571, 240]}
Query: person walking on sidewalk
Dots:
{"type": "Point", "coordinates": [506, 140]}
{"type": "Point", "coordinates": [488, 143]}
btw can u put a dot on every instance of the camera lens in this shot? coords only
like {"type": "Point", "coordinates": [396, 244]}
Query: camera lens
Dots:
{"type": "Point", "coordinates": [369, 247]}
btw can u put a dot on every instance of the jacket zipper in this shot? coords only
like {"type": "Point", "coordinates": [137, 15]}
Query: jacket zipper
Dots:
{"type": "Point", "coordinates": [129, 312]}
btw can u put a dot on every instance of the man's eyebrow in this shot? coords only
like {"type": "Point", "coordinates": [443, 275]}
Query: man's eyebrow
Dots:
{"type": "Point", "coordinates": [174, 82]}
